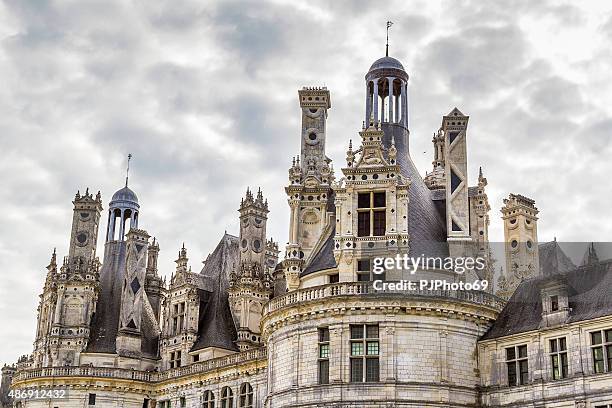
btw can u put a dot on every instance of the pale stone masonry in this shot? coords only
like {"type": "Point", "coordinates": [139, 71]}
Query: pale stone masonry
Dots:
{"type": "Point", "coordinates": [312, 331]}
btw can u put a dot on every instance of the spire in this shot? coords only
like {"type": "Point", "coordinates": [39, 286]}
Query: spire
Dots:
{"type": "Point", "coordinates": [389, 24]}
{"type": "Point", "coordinates": [127, 171]}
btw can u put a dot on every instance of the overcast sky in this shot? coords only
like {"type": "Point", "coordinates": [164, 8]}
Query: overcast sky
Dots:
{"type": "Point", "coordinates": [204, 95]}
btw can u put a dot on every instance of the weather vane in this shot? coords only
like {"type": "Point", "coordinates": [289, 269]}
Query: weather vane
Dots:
{"type": "Point", "coordinates": [127, 171]}
{"type": "Point", "coordinates": [389, 24]}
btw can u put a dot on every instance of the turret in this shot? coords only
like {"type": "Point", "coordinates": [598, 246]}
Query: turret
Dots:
{"type": "Point", "coordinates": [251, 284]}
{"type": "Point", "coordinates": [519, 214]}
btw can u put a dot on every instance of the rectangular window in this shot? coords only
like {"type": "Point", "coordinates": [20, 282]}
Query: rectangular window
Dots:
{"type": "Point", "coordinates": [558, 356]}
{"type": "Point", "coordinates": [92, 399]}
{"type": "Point", "coordinates": [554, 303]}
{"type": "Point", "coordinates": [196, 358]}
{"type": "Point", "coordinates": [371, 214]}
{"type": "Point", "coordinates": [175, 359]}
{"type": "Point", "coordinates": [601, 349]}
{"type": "Point", "coordinates": [178, 317]}
{"type": "Point", "coordinates": [183, 402]}
{"type": "Point", "coordinates": [334, 278]}
{"type": "Point", "coordinates": [364, 353]}
{"type": "Point", "coordinates": [363, 270]}
{"type": "Point", "coordinates": [517, 365]}
{"type": "Point", "coordinates": [324, 355]}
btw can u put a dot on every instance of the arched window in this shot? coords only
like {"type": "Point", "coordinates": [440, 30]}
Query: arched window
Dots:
{"type": "Point", "coordinates": [246, 396]}
{"type": "Point", "coordinates": [227, 398]}
{"type": "Point", "coordinates": [209, 400]}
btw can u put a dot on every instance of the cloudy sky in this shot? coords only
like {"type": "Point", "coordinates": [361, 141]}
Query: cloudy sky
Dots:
{"type": "Point", "coordinates": [204, 95]}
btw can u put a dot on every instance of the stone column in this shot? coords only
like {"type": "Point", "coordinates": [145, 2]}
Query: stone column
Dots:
{"type": "Point", "coordinates": [336, 353]}
{"type": "Point", "coordinates": [368, 105]}
{"type": "Point", "coordinates": [404, 97]}
{"type": "Point", "coordinates": [390, 79]}
{"type": "Point", "coordinates": [375, 100]}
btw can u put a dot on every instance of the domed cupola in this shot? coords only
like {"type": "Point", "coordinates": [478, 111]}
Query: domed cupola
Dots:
{"type": "Point", "coordinates": [387, 92]}
{"type": "Point", "coordinates": [122, 209]}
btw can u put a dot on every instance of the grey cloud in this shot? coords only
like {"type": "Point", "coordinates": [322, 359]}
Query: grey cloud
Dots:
{"type": "Point", "coordinates": [204, 96]}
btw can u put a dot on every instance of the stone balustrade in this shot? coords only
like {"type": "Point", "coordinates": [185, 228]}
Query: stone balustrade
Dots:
{"type": "Point", "coordinates": [137, 375]}
{"type": "Point", "coordinates": [367, 289]}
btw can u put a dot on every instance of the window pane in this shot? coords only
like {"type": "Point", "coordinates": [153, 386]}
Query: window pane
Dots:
{"type": "Point", "coordinates": [596, 338]}
{"type": "Point", "coordinates": [380, 223]}
{"type": "Point", "coordinates": [555, 366]}
{"type": "Point", "coordinates": [363, 265]}
{"type": "Point", "coordinates": [372, 349]}
{"type": "Point", "coordinates": [511, 373]}
{"type": "Point", "coordinates": [356, 332]}
{"type": "Point", "coordinates": [363, 224]}
{"type": "Point", "coordinates": [522, 350]}
{"type": "Point", "coordinates": [356, 370]}
{"type": "Point", "coordinates": [334, 278]}
{"type": "Point", "coordinates": [510, 354]}
{"type": "Point", "coordinates": [554, 303]}
{"type": "Point", "coordinates": [357, 349]}
{"type": "Point", "coordinates": [524, 372]}
{"type": "Point", "coordinates": [609, 352]}
{"type": "Point", "coordinates": [372, 369]}
{"type": "Point", "coordinates": [608, 336]}
{"type": "Point", "coordinates": [564, 365]}
{"type": "Point", "coordinates": [598, 362]}
{"type": "Point", "coordinates": [562, 345]}
{"type": "Point", "coordinates": [372, 331]}
{"type": "Point", "coordinates": [379, 200]}
{"type": "Point", "coordinates": [323, 334]}
{"type": "Point", "coordinates": [324, 372]}
{"type": "Point", "coordinates": [324, 351]}
{"type": "Point", "coordinates": [553, 345]}
{"type": "Point", "coordinates": [363, 200]}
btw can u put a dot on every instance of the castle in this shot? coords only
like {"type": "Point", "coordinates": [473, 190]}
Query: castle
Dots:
{"type": "Point", "coordinates": [311, 330]}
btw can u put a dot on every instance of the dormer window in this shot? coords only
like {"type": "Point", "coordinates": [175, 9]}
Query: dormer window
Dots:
{"type": "Point", "coordinates": [554, 303]}
{"type": "Point", "coordinates": [371, 214]}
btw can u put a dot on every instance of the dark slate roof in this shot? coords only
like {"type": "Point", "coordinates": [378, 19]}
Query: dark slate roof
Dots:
{"type": "Point", "coordinates": [553, 260]}
{"type": "Point", "coordinates": [589, 298]}
{"type": "Point", "coordinates": [324, 258]}
{"type": "Point", "coordinates": [386, 62]}
{"type": "Point", "coordinates": [426, 220]}
{"type": "Point", "coordinates": [105, 321]}
{"type": "Point", "coordinates": [216, 327]}
{"type": "Point", "coordinates": [125, 194]}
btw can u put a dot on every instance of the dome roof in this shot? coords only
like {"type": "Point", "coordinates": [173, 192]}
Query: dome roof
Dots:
{"type": "Point", "coordinates": [386, 63]}
{"type": "Point", "coordinates": [125, 194]}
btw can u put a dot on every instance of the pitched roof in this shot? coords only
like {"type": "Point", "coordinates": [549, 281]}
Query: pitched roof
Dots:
{"type": "Point", "coordinates": [216, 327]}
{"type": "Point", "coordinates": [324, 258]}
{"type": "Point", "coordinates": [553, 260]}
{"type": "Point", "coordinates": [589, 298]}
{"type": "Point", "coordinates": [105, 321]}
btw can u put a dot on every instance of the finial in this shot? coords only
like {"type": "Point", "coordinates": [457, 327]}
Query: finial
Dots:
{"type": "Point", "coordinates": [389, 24]}
{"type": "Point", "coordinates": [350, 144]}
{"type": "Point", "coordinates": [392, 140]}
{"type": "Point", "coordinates": [480, 171]}
{"type": "Point", "coordinates": [127, 171]}
{"type": "Point", "coordinates": [293, 163]}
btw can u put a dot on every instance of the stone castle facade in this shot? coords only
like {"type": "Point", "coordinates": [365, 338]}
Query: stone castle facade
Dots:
{"type": "Point", "coordinates": [311, 330]}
